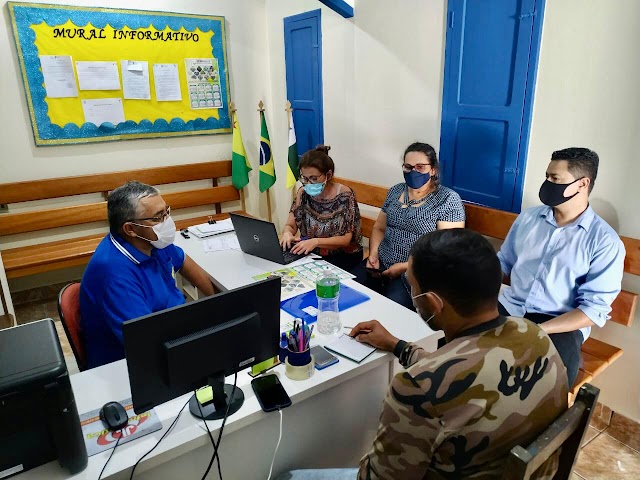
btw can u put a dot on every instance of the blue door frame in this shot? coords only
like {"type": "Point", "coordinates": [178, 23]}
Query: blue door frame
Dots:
{"type": "Point", "coordinates": [491, 61]}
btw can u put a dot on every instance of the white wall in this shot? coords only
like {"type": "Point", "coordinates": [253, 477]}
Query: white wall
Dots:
{"type": "Point", "coordinates": [248, 60]}
{"type": "Point", "coordinates": [382, 85]}
{"type": "Point", "coordinates": [587, 95]}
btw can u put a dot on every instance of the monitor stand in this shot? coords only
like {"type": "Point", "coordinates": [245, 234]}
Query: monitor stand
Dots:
{"type": "Point", "coordinates": [217, 407]}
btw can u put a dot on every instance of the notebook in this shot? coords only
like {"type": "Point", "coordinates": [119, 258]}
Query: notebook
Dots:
{"type": "Point", "coordinates": [305, 305]}
{"type": "Point", "coordinates": [350, 348]}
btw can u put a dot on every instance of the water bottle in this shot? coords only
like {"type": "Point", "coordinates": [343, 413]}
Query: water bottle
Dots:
{"type": "Point", "coordinates": [327, 291]}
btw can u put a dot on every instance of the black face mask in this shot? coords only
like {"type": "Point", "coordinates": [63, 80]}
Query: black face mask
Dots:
{"type": "Point", "coordinates": [552, 194]}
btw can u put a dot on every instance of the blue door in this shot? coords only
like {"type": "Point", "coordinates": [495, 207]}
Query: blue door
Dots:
{"type": "Point", "coordinates": [303, 59]}
{"type": "Point", "coordinates": [491, 58]}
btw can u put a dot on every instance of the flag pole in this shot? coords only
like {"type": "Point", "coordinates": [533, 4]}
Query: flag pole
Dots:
{"type": "Point", "coordinates": [261, 109]}
{"type": "Point", "coordinates": [233, 109]}
{"type": "Point", "coordinates": [289, 111]}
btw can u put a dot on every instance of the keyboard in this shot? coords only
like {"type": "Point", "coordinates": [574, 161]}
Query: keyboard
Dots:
{"type": "Point", "coordinates": [291, 257]}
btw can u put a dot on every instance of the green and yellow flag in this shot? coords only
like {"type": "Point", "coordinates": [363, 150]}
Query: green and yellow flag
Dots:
{"type": "Point", "coordinates": [293, 173]}
{"type": "Point", "coordinates": [240, 166]}
{"type": "Point", "coordinates": [267, 167]}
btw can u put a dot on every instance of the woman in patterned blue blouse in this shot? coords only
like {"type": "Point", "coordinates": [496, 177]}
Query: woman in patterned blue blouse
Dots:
{"type": "Point", "coordinates": [411, 209]}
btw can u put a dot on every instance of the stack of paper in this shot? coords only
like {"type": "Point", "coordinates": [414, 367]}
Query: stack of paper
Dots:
{"type": "Point", "coordinates": [208, 229]}
{"type": "Point", "coordinates": [220, 243]}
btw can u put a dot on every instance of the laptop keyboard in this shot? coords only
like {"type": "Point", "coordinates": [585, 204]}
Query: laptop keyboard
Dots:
{"type": "Point", "coordinates": [291, 257]}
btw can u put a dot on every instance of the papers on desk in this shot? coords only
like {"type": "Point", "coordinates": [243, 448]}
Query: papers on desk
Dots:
{"type": "Point", "coordinates": [97, 438]}
{"type": "Point", "coordinates": [207, 230]}
{"type": "Point", "coordinates": [220, 243]}
{"type": "Point", "coordinates": [350, 348]}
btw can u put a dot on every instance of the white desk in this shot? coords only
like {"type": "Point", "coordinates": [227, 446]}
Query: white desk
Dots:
{"type": "Point", "coordinates": [331, 423]}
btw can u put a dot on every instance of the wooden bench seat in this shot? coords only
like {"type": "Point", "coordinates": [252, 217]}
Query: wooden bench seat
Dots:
{"type": "Point", "coordinates": [596, 355]}
{"type": "Point", "coordinates": [47, 256]}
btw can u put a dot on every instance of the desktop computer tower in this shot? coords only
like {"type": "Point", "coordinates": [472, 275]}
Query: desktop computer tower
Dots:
{"type": "Point", "coordinates": [38, 416]}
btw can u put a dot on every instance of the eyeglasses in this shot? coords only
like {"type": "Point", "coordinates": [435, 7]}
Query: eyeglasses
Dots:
{"type": "Point", "coordinates": [158, 219]}
{"type": "Point", "coordinates": [418, 167]}
{"type": "Point", "coordinates": [312, 179]}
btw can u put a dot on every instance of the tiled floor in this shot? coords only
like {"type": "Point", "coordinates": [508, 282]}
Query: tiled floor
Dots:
{"type": "Point", "coordinates": [611, 449]}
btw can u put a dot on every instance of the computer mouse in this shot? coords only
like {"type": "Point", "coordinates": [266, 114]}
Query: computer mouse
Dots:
{"type": "Point", "coordinates": [114, 416]}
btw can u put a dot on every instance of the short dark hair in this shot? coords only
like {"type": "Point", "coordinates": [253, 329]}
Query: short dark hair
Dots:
{"type": "Point", "coordinates": [581, 162]}
{"type": "Point", "coordinates": [318, 158]}
{"type": "Point", "coordinates": [122, 204]}
{"type": "Point", "coordinates": [430, 152]}
{"type": "Point", "coordinates": [459, 265]}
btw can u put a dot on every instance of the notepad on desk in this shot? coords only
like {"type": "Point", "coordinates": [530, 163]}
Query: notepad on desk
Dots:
{"type": "Point", "coordinates": [204, 230]}
{"type": "Point", "coordinates": [350, 348]}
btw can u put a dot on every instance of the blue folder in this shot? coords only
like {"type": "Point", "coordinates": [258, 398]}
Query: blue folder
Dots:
{"type": "Point", "coordinates": [295, 306]}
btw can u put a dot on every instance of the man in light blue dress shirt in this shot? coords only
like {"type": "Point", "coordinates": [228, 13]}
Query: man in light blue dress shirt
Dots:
{"type": "Point", "coordinates": [562, 262]}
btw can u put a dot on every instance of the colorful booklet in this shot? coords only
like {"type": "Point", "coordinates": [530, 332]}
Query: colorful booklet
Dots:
{"type": "Point", "coordinates": [98, 438]}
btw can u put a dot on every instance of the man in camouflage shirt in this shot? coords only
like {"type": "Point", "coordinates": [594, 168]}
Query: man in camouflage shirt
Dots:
{"type": "Point", "coordinates": [498, 382]}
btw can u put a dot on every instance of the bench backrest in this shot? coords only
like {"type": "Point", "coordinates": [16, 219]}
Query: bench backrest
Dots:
{"type": "Point", "coordinates": [367, 194]}
{"type": "Point", "coordinates": [46, 218]}
{"type": "Point", "coordinates": [496, 224]}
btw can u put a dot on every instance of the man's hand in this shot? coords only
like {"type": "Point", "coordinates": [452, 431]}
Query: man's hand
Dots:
{"type": "Point", "coordinates": [374, 334]}
{"type": "Point", "coordinates": [287, 240]}
{"type": "Point", "coordinates": [305, 247]}
{"type": "Point", "coordinates": [373, 261]}
{"type": "Point", "coordinates": [395, 270]}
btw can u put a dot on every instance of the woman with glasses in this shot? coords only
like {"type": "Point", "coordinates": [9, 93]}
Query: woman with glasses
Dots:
{"type": "Point", "coordinates": [326, 214]}
{"type": "Point", "coordinates": [419, 205]}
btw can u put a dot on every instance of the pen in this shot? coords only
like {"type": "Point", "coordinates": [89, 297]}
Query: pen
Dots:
{"type": "Point", "coordinates": [301, 339]}
{"type": "Point", "coordinates": [361, 331]}
{"type": "Point", "coordinates": [309, 338]}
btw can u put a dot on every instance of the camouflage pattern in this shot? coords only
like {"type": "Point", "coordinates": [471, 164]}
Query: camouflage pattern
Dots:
{"type": "Point", "coordinates": [456, 413]}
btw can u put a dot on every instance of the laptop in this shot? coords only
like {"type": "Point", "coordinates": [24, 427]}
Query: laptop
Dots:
{"type": "Point", "coordinates": [259, 238]}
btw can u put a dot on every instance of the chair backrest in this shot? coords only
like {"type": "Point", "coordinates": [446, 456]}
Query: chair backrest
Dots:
{"type": "Point", "coordinates": [69, 310]}
{"type": "Point", "coordinates": [565, 433]}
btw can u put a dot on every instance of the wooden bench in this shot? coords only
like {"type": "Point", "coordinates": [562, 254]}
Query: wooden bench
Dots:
{"type": "Point", "coordinates": [47, 256]}
{"type": "Point", "coordinates": [596, 354]}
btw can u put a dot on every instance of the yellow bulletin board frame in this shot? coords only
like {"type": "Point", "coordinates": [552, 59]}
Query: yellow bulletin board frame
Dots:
{"type": "Point", "coordinates": [105, 34]}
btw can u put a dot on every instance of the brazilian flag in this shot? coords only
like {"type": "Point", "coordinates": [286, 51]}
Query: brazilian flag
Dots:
{"type": "Point", "coordinates": [267, 167]}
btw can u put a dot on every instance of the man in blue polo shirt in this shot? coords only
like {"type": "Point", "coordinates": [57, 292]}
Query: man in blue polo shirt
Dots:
{"type": "Point", "coordinates": [563, 262]}
{"type": "Point", "coordinates": [132, 272]}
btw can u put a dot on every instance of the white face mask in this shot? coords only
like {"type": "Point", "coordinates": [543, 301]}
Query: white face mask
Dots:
{"type": "Point", "coordinates": [413, 300]}
{"type": "Point", "coordinates": [165, 231]}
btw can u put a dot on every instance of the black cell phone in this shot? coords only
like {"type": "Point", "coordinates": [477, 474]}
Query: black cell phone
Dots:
{"type": "Point", "coordinates": [375, 272]}
{"type": "Point", "coordinates": [270, 393]}
{"type": "Point", "coordinates": [322, 358]}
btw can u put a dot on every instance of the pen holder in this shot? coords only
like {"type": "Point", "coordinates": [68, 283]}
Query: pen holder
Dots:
{"type": "Point", "coordinates": [299, 365]}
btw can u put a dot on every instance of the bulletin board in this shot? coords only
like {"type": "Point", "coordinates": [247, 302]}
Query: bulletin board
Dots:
{"type": "Point", "coordinates": [73, 44]}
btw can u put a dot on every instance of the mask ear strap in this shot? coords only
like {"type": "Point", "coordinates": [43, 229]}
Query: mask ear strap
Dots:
{"type": "Point", "coordinates": [439, 299]}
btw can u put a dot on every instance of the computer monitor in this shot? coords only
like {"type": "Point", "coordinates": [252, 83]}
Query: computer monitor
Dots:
{"type": "Point", "coordinates": [175, 351]}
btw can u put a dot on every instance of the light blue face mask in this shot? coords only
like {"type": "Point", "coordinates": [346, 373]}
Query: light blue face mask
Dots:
{"type": "Point", "coordinates": [314, 189]}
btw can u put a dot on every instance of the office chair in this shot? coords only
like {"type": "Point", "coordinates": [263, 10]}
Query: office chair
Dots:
{"type": "Point", "coordinates": [565, 433]}
{"type": "Point", "coordinates": [69, 310]}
